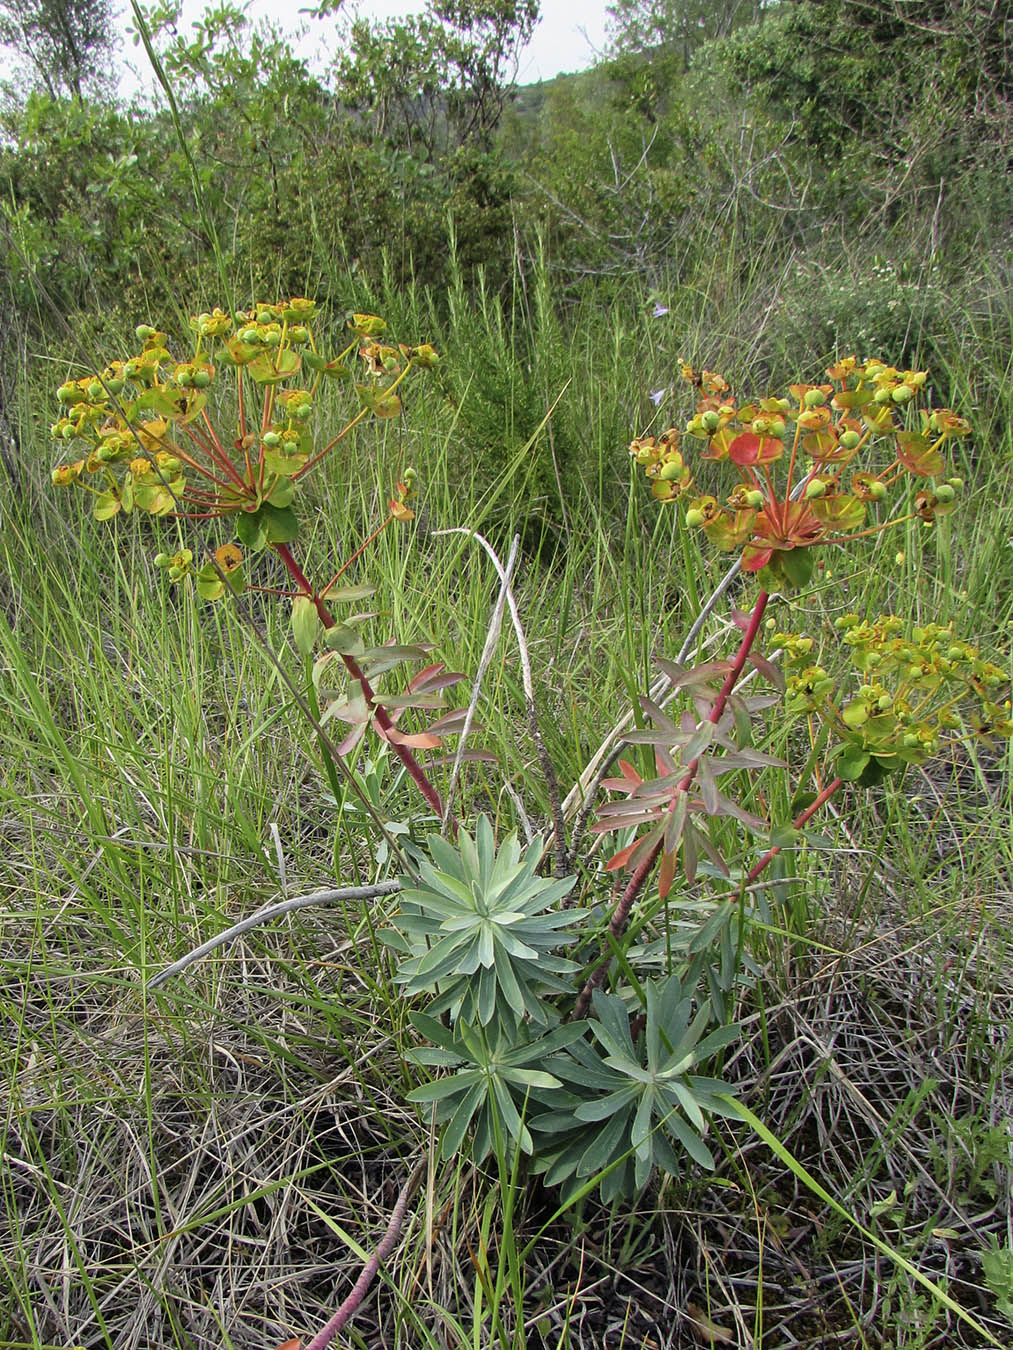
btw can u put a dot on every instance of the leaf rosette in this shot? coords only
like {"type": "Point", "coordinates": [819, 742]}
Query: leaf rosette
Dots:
{"type": "Point", "coordinates": [481, 931]}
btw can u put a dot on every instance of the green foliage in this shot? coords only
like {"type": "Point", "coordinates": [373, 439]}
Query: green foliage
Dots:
{"type": "Point", "coordinates": [923, 141]}
{"type": "Point", "coordinates": [493, 1077]}
{"type": "Point", "coordinates": [437, 81]}
{"type": "Point", "coordinates": [643, 26]}
{"type": "Point", "coordinates": [636, 1103]}
{"type": "Point", "coordinates": [66, 45]}
{"type": "Point", "coordinates": [480, 931]}
{"type": "Point", "coordinates": [997, 1268]}
{"type": "Point", "coordinates": [869, 307]}
{"type": "Point", "coordinates": [82, 203]}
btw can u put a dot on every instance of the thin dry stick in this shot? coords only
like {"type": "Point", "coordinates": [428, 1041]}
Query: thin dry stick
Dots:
{"type": "Point", "coordinates": [265, 915]}
{"type": "Point", "coordinates": [360, 1289]}
{"type": "Point", "coordinates": [491, 639]}
{"type": "Point", "coordinates": [547, 767]}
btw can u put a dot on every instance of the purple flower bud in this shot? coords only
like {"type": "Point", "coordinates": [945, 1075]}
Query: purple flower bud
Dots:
{"type": "Point", "coordinates": [657, 396]}
{"type": "Point", "coordinates": [659, 311]}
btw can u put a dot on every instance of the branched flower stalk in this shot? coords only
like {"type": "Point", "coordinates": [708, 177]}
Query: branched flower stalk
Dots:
{"type": "Point", "coordinates": [154, 443]}
{"type": "Point", "coordinates": [774, 526]}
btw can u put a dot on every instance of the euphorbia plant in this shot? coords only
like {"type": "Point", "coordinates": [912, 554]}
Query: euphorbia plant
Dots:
{"type": "Point", "coordinates": [810, 465]}
{"type": "Point", "coordinates": [612, 1097]}
{"type": "Point", "coordinates": [155, 434]}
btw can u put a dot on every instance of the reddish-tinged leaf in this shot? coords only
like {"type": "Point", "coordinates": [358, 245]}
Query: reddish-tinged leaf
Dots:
{"type": "Point", "coordinates": [660, 718]}
{"type": "Point", "coordinates": [623, 818]}
{"type": "Point", "coordinates": [754, 558]}
{"type": "Point", "coordinates": [647, 846]}
{"type": "Point", "coordinates": [629, 772]}
{"type": "Point", "coordinates": [713, 854]}
{"type": "Point", "coordinates": [421, 740]}
{"type": "Point", "coordinates": [353, 738]}
{"type": "Point", "coordinates": [748, 448]}
{"type": "Point", "coordinates": [620, 859]}
{"type": "Point", "coordinates": [676, 823]}
{"type": "Point", "coordinates": [917, 454]}
{"type": "Point", "coordinates": [352, 709]}
{"type": "Point", "coordinates": [666, 874]}
{"type": "Point", "coordinates": [413, 701]}
{"type": "Point", "coordinates": [452, 723]}
{"type": "Point", "coordinates": [434, 677]}
{"type": "Point", "coordinates": [768, 670]}
{"type": "Point", "coordinates": [683, 678]}
{"type": "Point", "coordinates": [664, 762]}
{"type": "Point", "coordinates": [707, 787]}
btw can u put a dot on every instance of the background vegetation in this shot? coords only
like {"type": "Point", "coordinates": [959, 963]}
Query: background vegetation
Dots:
{"type": "Point", "coordinates": [737, 185]}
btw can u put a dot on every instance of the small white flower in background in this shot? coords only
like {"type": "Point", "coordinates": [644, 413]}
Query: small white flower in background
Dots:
{"type": "Point", "coordinates": [657, 396]}
{"type": "Point", "coordinates": [659, 311]}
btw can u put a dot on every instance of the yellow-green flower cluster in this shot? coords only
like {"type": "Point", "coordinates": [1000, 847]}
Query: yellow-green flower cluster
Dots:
{"type": "Point", "coordinates": [908, 691]}
{"type": "Point", "coordinates": [798, 486]}
{"type": "Point", "coordinates": [145, 433]}
{"type": "Point", "coordinates": [663, 464]}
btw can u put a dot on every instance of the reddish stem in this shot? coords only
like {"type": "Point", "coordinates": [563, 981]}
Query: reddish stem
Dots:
{"type": "Point", "coordinates": [361, 549]}
{"type": "Point", "coordinates": [380, 714]}
{"type": "Point", "coordinates": [797, 824]}
{"type": "Point", "coordinates": [635, 885]}
{"type": "Point", "coordinates": [337, 1323]}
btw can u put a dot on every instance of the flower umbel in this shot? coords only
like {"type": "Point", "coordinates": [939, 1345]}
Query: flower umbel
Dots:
{"type": "Point", "coordinates": [820, 430]}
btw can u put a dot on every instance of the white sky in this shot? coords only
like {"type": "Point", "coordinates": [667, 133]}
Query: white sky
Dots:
{"type": "Point", "coordinates": [569, 37]}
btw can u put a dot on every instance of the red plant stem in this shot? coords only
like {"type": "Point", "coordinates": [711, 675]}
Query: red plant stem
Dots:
{"type": "Point", "coordinates": [360, 1289]}
{"type": "Point", "coordinates": [215, 451]}
{"type": "Point", "coordinates": [330, 445]}
{"type": "Point", "coordinates": [635, 885]}
{"type": "Point", "coordinates": [380, 714]}
{"type": "Point", "coordinates": [797, 824]}
{"type": "Point", "coordinates": [242, 408]}
{"type": "Point", "coordinates": [361, 549]}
